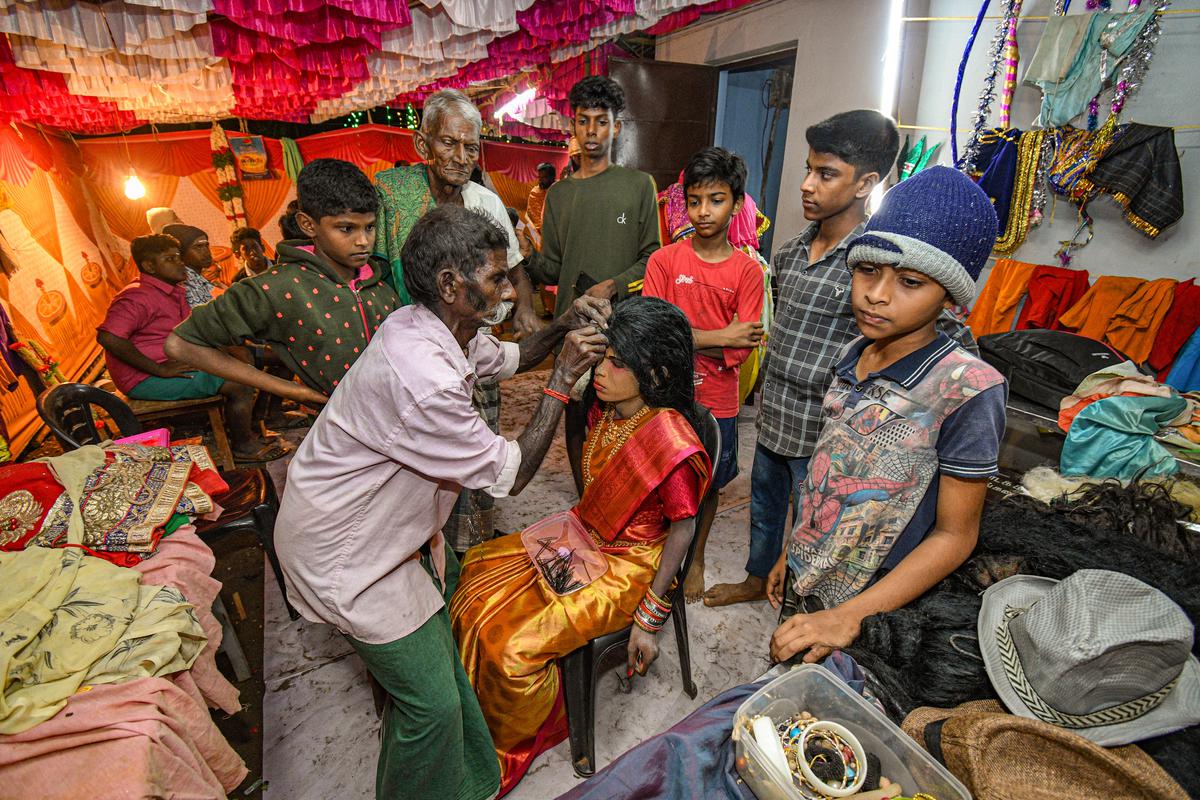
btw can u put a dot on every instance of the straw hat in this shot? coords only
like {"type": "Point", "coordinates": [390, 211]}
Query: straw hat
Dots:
{"type": "Point", "coordinates": [1099, 653]}
{"type": "Point", "coordinates": [999, 755]}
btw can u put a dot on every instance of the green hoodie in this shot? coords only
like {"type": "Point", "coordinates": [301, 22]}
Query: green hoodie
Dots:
{"type": "Point", "coordinates": [317, 325]}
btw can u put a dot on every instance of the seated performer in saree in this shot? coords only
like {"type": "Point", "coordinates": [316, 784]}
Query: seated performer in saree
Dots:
{"type": "Point", "coordinates": [518, 608]}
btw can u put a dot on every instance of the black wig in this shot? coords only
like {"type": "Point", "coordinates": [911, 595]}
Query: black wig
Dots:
{"type": "Point", "coordinates": [654, 339]}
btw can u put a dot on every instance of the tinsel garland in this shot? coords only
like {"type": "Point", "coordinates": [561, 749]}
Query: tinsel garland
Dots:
{"type": "Point", "coordinates": [1137, 62]}
{"type": "Point", "coordinates": [1011, 57]}
{"type": "Point", "coordinates": [1030, 149]}
{"type": "Point", "coordinates": [229, 189]}
{"type": "Point", "coordinates": [966, 162]}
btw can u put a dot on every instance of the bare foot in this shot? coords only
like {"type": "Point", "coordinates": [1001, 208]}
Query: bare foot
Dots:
{"type": "Point", "coordinates": [693, 585]}
{"type": "Point", "coordinates": [726, 594]}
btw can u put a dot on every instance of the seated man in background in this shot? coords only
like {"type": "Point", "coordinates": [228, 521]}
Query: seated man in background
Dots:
{"type": "Point", "coordinates": [247, 245]}
{"type": "Point", "coordinates": [197, 259]}
{"type": "Point", "coordinates": [135, 328]}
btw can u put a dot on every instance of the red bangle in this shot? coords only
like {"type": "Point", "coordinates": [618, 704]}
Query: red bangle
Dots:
{"type": "Point", "coordinates": [556, 395]}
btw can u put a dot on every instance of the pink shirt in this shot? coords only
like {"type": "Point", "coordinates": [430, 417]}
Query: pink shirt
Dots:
{"type": "Point", "coordinates": [379, 472]}
{"type": "Point", "coordinates": [710, 294]}
{"type": "Point", "coordinates": [144, 312]}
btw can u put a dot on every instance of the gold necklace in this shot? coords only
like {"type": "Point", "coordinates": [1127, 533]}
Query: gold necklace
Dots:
{"type": "Point", "coordinates": [609, 431]}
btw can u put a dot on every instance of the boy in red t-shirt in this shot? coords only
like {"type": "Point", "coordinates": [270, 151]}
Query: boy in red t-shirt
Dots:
{"type": "Point", "coordinates": [720, 289]}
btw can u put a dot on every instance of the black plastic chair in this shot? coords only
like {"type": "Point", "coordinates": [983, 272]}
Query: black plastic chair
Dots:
{"type": "Point", "coordinates": [250, 504]}
{"type": "Point", "coordinates": [580, 669]}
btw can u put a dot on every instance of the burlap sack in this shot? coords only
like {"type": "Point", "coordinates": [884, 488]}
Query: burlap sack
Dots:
{"type": "Point", "coordinates": [1000, 756]}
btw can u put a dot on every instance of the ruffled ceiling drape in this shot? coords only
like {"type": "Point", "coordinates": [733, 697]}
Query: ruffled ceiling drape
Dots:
{"type": "Point", "coordinates": [90, 66]}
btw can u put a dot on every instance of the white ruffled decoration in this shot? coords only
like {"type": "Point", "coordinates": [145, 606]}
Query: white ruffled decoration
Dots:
{"type": "Point", "coordinates": [481, 14]}
{"type": "Point", "coordinates": [113, 26]}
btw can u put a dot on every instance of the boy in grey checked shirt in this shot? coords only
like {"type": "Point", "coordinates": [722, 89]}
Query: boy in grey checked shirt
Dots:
{"type": "Point", "coordinates": [849, 154]}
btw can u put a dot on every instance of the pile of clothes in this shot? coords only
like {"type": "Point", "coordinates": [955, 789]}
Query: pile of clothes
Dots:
{"type": "Point", "coordinates": [107, 638]}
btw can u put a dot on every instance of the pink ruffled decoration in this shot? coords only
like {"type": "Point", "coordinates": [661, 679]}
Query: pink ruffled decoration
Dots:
{"type": "Point", "coordinates": [313, 21]}
{"type": "Point", "coordinates": [41, 98]}
{"type": "Point", "coordinates": [687, 16]}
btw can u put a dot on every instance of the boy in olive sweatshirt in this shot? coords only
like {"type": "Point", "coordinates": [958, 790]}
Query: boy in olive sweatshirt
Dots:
{"type": "Point", "coordinates": [317, 307]}
{"type": "Point", "coordinates": [600, 225]}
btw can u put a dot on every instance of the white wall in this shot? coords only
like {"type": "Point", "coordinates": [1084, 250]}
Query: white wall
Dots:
{"type": "Point", "coordinates": [839, 46]}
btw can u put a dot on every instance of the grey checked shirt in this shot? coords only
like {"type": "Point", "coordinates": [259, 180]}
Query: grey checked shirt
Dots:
{"type": "Point", "coordinates": [814, 323]}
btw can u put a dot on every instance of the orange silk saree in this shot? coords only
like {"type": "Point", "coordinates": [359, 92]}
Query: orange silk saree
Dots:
{"type": "Point", "coordinates": [641, 474]}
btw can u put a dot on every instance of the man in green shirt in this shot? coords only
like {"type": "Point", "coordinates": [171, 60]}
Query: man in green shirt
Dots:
{"type": "Point", "coordinates": [600, 224]}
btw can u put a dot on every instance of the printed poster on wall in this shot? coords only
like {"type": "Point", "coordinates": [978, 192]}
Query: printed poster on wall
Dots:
{"type": "Point", "coordinates": [251, 155]}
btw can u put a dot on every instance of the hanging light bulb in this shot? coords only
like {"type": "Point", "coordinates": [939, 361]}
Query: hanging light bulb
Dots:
{"type": "Point", "coordinates": [134, 189]}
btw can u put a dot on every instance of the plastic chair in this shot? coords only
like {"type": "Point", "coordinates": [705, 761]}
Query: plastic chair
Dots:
{"type": "Point", "coordinates": [250, 504]}
{"type": "Point", "coordinates": [580, 669]}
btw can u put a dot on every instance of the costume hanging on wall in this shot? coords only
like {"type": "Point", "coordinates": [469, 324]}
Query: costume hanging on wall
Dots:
{"type": "Point", "coordinates": [1051, 292]}
{"type": "Point", "coordinates": [996, 307]}
{"type": "Point", "coordinates": [997, 160]}
{"type": "Point", "coordinates": [1136, 322]}
{"type": "Point", "coordinates": [1182, 319]}
{"type": "Point", "coordinates": [1091, 316]}
{"type": "Point", "coordinates": [1185, 372]}
{"type": "Point", "coordinates": [1141, 171]}
{"type": "Point", "coordinates": [1092, 63]}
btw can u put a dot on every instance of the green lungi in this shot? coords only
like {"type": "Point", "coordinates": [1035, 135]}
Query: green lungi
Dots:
{"type": "Point", "coordinates": [435, 741]}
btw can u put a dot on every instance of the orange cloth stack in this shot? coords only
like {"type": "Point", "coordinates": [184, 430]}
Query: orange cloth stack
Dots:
{"type": "Point", "coordinates": [996, 307]}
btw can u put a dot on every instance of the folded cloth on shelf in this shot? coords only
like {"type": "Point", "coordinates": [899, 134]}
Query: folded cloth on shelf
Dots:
{"type": "Point", "coordinates": [126, 494]}
{"type": "Point", "coordinates": [1091, 316]}
{"type": "Point", "coordinates": [996, 306]}
{"type": "Point", "coordinates": [1114, 437]}
{"type": "Point", "coordinates": [1120, 379]}
{"type": "Point", "coordinates": [150, 737]}
{"type": "Point", "coordinates": [1181, 321]}
{"type": "Point", "coordinates": [1050, 293]}
{"type": "Point", "coordinates": [67, 619]}
{"type": "Point", "coordinates": [997, 754]}
{"type": "Point", "coordinates": [1136, 321]}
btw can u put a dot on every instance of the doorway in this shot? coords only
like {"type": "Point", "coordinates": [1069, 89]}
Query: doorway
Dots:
{"type": "Point", "coordinates": [753, 99]}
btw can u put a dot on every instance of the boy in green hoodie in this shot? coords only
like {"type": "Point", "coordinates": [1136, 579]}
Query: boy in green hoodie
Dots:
{"type": "Point", "coordinates": [317, 307]}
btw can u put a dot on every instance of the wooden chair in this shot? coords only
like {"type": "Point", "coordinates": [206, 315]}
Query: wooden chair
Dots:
{"type": "Point", "coordinates": [580, 669]}
{"type": "Point", "coordinates": [148, 411]}
{"type": "Point", "coordinates": [250, 504]}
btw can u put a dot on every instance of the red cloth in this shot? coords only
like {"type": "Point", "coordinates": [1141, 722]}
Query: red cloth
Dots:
{"type": "Point", "coordinates": [710, 294]}
{"type": "Point", "coordinates": [1051, 292]}
{"type": "Point", "coordinates": [1179, 324]}
{"type": "Point", "coordinates": [144, 312]}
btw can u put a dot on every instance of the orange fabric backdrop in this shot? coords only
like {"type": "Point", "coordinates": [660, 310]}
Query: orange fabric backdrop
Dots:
{"type": "Point", "coordinates": [127, 218]}
{"type": "Point", "coordinates": [514, 193]}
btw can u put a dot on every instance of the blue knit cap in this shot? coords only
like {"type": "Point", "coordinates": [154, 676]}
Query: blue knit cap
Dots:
{"type": "Point", "coordinates": [939, 223]}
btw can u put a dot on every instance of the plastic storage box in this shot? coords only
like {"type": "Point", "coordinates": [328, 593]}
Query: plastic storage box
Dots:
{"type": "Point", "coordinates": [813, 688]}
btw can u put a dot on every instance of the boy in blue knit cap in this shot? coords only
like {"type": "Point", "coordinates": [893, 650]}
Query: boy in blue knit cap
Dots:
{"type": "Point", "coordinates": [912, 425]}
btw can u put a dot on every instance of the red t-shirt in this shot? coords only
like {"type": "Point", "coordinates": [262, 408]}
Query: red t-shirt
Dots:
{"type": "Point", "coordinates": [710, 294]}
{"type": "Point", "coordinates": [144, 312]}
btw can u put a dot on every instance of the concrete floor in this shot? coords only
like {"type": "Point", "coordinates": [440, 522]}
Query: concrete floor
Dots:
{"type": "Point", "coordinates": [319, 725]}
